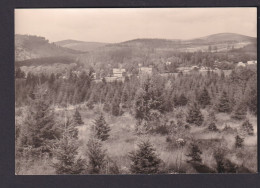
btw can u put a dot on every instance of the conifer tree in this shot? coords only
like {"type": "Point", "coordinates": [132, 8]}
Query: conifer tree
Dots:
{"type": "Point", "coordinates": [101, 128]}
{"type": "Point", "coordinates": [247, 127]}
{"type": "Point", "coordinates": [223, 105]}
{"type": "Point", "coordinates": [239, 112]}
{"type": "Point", "coordinates": [77, 118]}
{"type": "Point", "coordinates": [144, 160]}
{"type": "Point", "coordinates": [40, 127]}
{"type": "Point", "coordinates": [66, 151]}
{"type": "Point", "coordinates": [96, 156]}
{"type": "Point", "coordinates": [182, 100]}
{"type": "Point", "coordinates": [194, 115]}
{"type": "Point", "coordinates": [239, 141]}
{"type": "Point", "coordinates": [194, 153]}
{"type": "Point", "coordinates": [204, 98]}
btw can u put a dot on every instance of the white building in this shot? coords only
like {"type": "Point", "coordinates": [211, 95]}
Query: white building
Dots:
{"type": "Point", "coordinates": [241, 64]}
{"type": "Point", "coordinates": [118, 73]}
{"type": "Point", "coordinates": [253, 62]}
{"type": "Point", "coordinates": [145, 70]}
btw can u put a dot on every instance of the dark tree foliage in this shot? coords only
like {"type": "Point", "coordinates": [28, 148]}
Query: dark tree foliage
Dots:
{"type": "Point", "coordinates": [96, 156]}
{"type": "Point", "coordinates": [40, 127]}
{"type": "Point", "coordinates": [66, 152]}
{"type": "Point", "coordinates": [101, 128]}
{"type": "Point", "coordinates": [204, 98]}
{"type": "Point", "coordinates": [239, 141]}
{"type": "Point", "coordinates": [224, 165]}
{"type": "Point", "coordinates": [224, 103]}
{"type": "Point", "coordinates": [77, 118]}
{"type": "Point", "coordinates": [194, 115]}
{"type": "Point", "coordinates": [247, 127]}
{"type": "Point", "coordinates": [144, 160]}
{"type": "Point", "coordinates": [212, 126]}
{"type": "Point", "coordinates": [239, 111]}
{"type": "Point", "coordinates": [194, 154]}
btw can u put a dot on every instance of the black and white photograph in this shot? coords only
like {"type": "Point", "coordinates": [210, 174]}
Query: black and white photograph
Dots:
{"type": "Point", "coordinates": [115, 91]}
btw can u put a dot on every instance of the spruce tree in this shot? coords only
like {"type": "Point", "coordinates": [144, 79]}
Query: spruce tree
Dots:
{"type": "Point", "coordinates": [239, 141]}
{"type": "Point", "coordinates": [182, 100]}
{"type": "Point", "coordinates": [96, 156]}
{"type": "Point", "coordinates": [40, 127]}
{"type": "Point", "coordinates": [77, 118]}
{"type": "Point", "coordinates": [223, 105]}
{"type": "Point", "coordinates": [101, 128]}
{"type": "Point", "coordinates": [194, 115]}
{"type": "Point", "coordinates": [204, 98]}
{"type": "Point", "coordinates": [247, 127]}
{"type": "Point", "coordinates": [144, 160]}
{"type": "Point", "coordinates": [66, 151]}
{"type": "Point", "coordinates": [239, 112]}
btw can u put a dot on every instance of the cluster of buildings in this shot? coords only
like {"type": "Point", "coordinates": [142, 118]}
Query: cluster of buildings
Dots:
{"type": "Point", "coordinates": [241, 64]}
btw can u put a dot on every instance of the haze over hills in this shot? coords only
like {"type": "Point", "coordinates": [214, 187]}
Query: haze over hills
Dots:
{"type": "Point", "coordinates": [80, 45]}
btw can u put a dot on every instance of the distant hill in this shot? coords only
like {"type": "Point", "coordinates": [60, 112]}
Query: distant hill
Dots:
{"type": "Point", "coordinates": [222, 41]}
{"type": "Point", "coordinates": [80, 45]}
{"type": "Point", "coordinates": [31, 47]}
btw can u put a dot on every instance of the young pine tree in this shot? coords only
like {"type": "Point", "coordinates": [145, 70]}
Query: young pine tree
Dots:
{"type": "Point", "coordinates": [204, 98]}
{"type": "Point", "coordinates": [96, 156]}
{"type": "Point", "coordinates": [224, 103]}
{"type": "Point", "coordinates": [77, 118]}
{"type": "Point", "coordinates": [144, 160]}
{"type": "Point", "coordinates": [40, 127]}
{"type": "Point", "coordinates": [247, 127]}
{"type": "Point", "coordinates": [194, 115]}
{"type": "Point", "coordinates": [239, 141]}
{"type": "Point", "coordinates": [239, 112]}
{"type": "Point", "coordinates": [101, 128]}
{"type": "Point", "coordinates": [66, 151]}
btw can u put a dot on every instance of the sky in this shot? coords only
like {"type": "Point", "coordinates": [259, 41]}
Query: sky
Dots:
{"type": "Point", "coordinates": [114, 25]}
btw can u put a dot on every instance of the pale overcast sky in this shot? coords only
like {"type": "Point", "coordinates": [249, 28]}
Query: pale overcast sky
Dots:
{"type": "Point", "coordinates": [117, 25]}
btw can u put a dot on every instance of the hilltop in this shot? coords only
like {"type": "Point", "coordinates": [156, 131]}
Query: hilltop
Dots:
{"type": "Point", "coordinates": [31, 47]}
{"type": "Point", "coordinates": [80, 45]}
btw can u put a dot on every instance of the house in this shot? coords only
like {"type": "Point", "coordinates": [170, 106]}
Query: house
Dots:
{"type": "Point", "coordinates": [252, 62]}
{"type": "Point", "coordinates": [168, 63]}
{"type": "Point", "coordinates": [118, 73]}
{"type": "Point", "coordinates": [110, 78]}
{"type": "Point", "coordinates": [241, 64]}
{"type": "Point", "coordinates": [145, 70]}
{"type": "Point", "coordinates": [184, 69]}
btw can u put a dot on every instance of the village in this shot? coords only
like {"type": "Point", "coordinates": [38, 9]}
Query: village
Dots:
{"type": "Point", "coordinates": [119, 74]}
